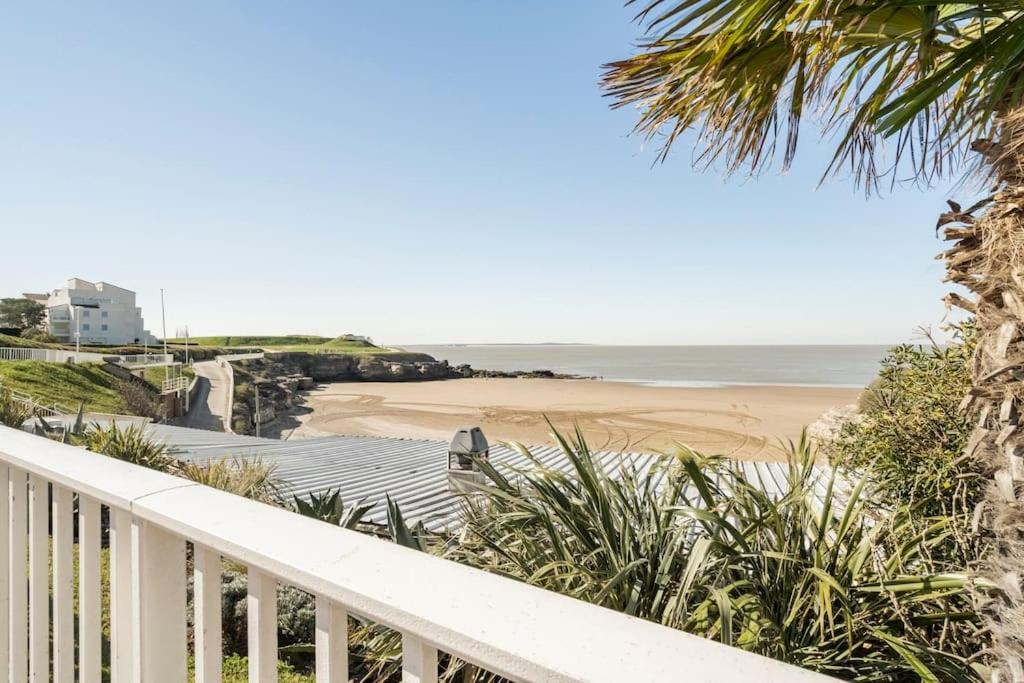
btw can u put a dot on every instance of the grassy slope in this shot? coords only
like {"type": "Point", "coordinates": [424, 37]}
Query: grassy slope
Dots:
{"type": "Point", "coordinates": [63, 383]}
{"type": "Point", "coordinates": [18, 342]}
{"type": "Point", "coordinates": [156, 376]}
{"type": "Point", "coordinates": [292, 342]}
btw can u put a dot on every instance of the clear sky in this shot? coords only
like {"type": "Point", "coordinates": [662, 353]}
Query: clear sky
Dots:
{"type": "Point", "coordinates": [417, 172]}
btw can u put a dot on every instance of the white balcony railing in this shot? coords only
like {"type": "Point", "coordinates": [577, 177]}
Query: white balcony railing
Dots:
{"type": "Point", "coordinates": [507, 627]}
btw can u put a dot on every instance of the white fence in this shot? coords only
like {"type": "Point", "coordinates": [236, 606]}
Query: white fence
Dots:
{"type": "Point", "coordinates": [47, 410]}
{"type": "Point", "coordinates": [61, 356]}
{"type": "Point", "coordinates": [175, 384]}
{"type": "Point", "coordinates": [50, 355]}
{"type": "Point", "coordinates": [507, 627]}
{"type": "Point", "coordinates": [143, 359]}
{"type": "Point", "coordinates": [224, 361]}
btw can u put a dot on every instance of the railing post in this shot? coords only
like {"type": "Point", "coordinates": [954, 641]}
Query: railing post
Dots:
{"type": "Point", "coordinates": [158, 604]}
{"type": "Point", "coordinates": [206, 602]}
{"type": "Point", "coordinates": [63, 588]}
{"type": "Point", "coordinates": [120, 596]}
{"type": "Point", "coordinates": [262, 627]}
{"type": "Point", "coordinates": [419, 660]}
{"type": "Point", "coordinates": [17, 576]}
{"type": "Point", "coordinates": [39, 580]}
{"type": "Point", "coordinates": [331, 642]}
{"type": "Point", "coordinates": [5, 568]}
{"type": "Point", "coordinates": [89, 629]}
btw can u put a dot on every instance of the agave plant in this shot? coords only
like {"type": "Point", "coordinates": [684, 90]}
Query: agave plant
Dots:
{"type": "Point", "coordinates": [130, 444]}
{"type": "Point", "coordinates": [329, 507]}
{"type": "Point", "coordinates": [13, 413]}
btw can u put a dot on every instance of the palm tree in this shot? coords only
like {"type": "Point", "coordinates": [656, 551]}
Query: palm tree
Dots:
{"type": "Point", "coordinates": [934, 81]}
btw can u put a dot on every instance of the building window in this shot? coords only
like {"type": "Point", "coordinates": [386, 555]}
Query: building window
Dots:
{"type": "Point", "coordinates": [104, 314]}
{"type": "Point", "coordinates": [85, 314]}
{"type": "Point", "coordinates": [103, 327]}
{"type": "Point", "coordinates": [85, 327]}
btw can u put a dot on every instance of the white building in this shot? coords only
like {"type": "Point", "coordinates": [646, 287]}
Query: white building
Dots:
{"type": "Point", "coordinates": [101, 313]}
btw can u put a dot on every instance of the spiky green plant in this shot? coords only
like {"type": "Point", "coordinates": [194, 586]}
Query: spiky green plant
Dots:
{"type": "Point", "coordinates": [131, 444]}
{"type": "Point", "coordinates": [812, 576]}
{"type": "Point", "coordinates": [328, 506]}
{"type": "Point", "coordinates": [248, 477]}
{"type": "Point", "coordinates": [13, 413]}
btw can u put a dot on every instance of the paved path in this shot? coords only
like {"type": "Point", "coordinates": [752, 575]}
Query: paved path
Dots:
{"type": "Point", "coordinates": [211, 402]}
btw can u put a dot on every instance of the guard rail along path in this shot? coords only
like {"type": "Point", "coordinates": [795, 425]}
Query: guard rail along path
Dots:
{"type": "Point", "coordinates": [510, 628]}
{"type": "Point", "coordinates": [225, 361]}
{"type": "Point", "coordinates": [62, 356]}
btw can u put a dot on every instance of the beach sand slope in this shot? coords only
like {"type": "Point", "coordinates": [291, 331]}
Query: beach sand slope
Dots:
{"type": "Point", "coordinates": [740, 421]}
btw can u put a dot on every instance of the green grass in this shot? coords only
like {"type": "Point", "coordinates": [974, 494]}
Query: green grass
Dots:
{"type": "Point", "coordinates": [64, 383]}
{"type": "Point", "coordinates": [19, 342]}
{"type": "Point", "coordinates": [156, 376]}
{"type": "Point", "coordinates": [292, 342]}
{"type": "Point", "coordinates": [287, 340]}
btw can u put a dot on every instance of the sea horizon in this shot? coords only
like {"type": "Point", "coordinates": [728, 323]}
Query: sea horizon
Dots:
{"type": "Point", "coordinates": [691, 365]}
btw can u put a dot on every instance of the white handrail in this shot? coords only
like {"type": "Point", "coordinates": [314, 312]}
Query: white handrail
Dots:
{"type": "Point", "coordinates": [62, 356]}
{"type": "Point", "coordinates": [49, 355]}
{"type": "Point", "coordinates": [143, 359]}
{"type": "Point", "coordinates": [174, 384]}
{"type": "Point", "coordinates": [231, 357]}
{"type": "Point", "coordinates": [503, 626]}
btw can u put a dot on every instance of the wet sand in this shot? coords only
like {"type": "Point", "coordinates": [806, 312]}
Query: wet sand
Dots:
{"type": "Point", "coordinates": [741, 421]}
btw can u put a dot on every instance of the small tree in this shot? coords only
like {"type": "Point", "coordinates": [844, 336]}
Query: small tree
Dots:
{"type": "Point", "coordinates": [23, 314]}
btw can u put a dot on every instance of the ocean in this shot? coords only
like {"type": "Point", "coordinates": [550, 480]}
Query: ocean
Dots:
{"type": "Point", "coordinates": [687, 366]}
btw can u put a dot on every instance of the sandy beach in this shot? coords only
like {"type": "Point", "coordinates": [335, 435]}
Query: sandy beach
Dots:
{"type": "Point", "coordinates": [741, 421]}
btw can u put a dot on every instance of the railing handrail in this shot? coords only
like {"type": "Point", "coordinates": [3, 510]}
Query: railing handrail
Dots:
{"type": "Point", "coordinates": [230, 357]}
{"type": "Point", "coordinates": [510, 628]}
{"type": "Point", "coordinates": [174, 384]}
{"type": "Point", "coordinates": [48, 355]}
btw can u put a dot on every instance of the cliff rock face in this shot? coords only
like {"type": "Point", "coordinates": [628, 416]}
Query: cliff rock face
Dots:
{"type": "Point", "coordinates": [384, 370]}
{"type": "Point", "coordinates": [323, 367]}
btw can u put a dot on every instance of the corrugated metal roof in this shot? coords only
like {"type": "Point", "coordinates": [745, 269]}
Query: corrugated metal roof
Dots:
{"type": "Point", "coordinates": [412, 471]}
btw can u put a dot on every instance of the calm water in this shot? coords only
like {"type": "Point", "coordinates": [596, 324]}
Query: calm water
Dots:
{"type": "Point", "coordinates": [841, 366]}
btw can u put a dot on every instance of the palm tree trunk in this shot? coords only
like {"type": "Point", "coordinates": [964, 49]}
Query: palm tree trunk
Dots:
{"type": "Point", "coordinates": [988, 260]}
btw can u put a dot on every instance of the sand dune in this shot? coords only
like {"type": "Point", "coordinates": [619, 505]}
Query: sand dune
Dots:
{"type": "Point", "coordinates": [743, 421]}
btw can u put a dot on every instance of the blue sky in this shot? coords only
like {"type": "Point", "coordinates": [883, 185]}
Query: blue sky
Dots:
{"type": "Point", "coordinates": [418, 172]}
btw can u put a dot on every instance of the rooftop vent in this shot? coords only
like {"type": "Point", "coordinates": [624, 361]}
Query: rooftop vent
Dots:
{"type": "Point", "coordinates": [468, 447]}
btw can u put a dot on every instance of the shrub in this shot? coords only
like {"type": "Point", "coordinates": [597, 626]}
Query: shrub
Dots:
{"type": "Point", "coordinates": [40, 335]}
{"type": "Point", "coordinates": [130, 444]}
{"type": "Point", "coordinates": [911, 432]}
{"type": "Point", "coordinates": [811, 576]}
{"type": "Point", "coordinates": [138, 398]}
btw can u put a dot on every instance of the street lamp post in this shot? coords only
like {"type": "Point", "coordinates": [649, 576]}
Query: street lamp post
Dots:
{"type": "Point", "coordinates": [163, 319]}
{"type": "Point", "coordinates": [256, 387]}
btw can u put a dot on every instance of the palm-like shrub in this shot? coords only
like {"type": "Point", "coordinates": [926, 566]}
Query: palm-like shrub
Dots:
{"type": "Point", "coordinates": [810, 576]}
{"type": "Point", "coordinates": [130, 444]}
